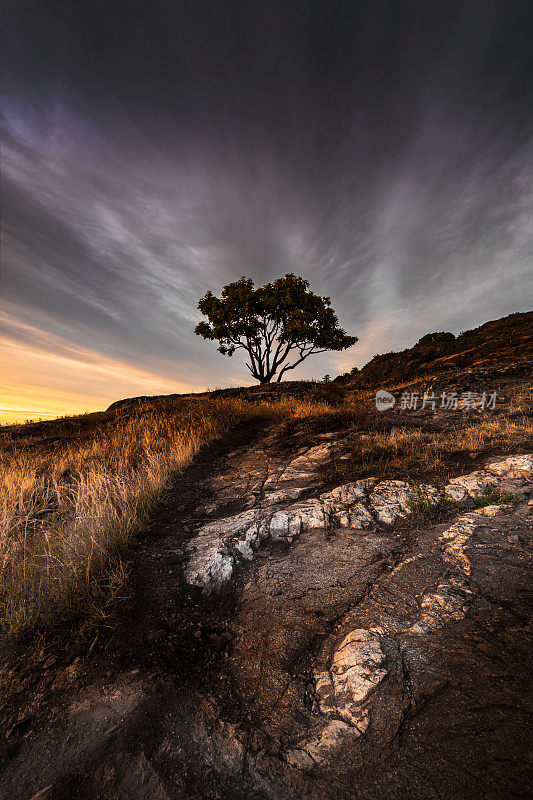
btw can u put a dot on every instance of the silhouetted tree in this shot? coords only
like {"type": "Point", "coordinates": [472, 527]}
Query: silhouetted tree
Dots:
{"type": "Point", "coordinates": [279, 324]}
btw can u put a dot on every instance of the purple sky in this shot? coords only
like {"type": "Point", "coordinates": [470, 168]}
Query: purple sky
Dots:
{"type": "Point", "coordinates": [153, 151]}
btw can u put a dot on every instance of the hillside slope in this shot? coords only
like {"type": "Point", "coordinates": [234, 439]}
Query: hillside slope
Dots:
{"type": "Point", "coordinates": [502, 347]}
{"type": "Point", "coordinates": [290, 634]}
{"type": "Point", "coordinates": [329, 602]}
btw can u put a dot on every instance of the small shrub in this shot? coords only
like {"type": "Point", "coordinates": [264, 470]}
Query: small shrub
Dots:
{"type": "Point", "coordinates": [491, 496]}
{"type": "Point", "coordinates": [444, 339]}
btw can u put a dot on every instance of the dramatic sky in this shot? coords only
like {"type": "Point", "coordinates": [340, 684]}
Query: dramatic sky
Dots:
{"type": "Point", "coordinates": [154, 150]}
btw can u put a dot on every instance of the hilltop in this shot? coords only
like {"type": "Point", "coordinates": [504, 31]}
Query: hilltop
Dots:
{"type": "Point", "coordinates": [275, 592]}
{"type": "Point", "coordinates": [498, 349]}
{"type": "Point", "coordinates": [495, 355]}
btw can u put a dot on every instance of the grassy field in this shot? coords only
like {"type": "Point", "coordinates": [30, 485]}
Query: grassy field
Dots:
{"type": "Point", "coordinates": [74, 493]}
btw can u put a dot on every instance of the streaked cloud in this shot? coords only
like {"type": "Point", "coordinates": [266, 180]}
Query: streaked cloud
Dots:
{"type": "Point", "coordinates": [386, 157]}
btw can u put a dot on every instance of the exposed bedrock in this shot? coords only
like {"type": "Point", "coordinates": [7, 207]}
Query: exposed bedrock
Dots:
{"type": "Point", "coordinates": [219, 545]}
{"type": "Point", "coordinates": [364, 658]}
{"type": "Point", "coordinates": [369, 664]}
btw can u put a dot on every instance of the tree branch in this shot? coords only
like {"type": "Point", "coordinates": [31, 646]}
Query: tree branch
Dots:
{"type": "Point", "coordinates": [311, 352]}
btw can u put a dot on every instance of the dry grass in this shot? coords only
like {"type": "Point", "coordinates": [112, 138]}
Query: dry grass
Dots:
{"type": "Point", "coordinates": [411, 453]}
{"type": "Point", "coordinates": [69, 509]}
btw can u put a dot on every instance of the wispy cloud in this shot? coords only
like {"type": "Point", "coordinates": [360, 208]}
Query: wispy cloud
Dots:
{"type": "Point", "coordinates": [388, 160]}
{"type": "Point", "coordinates": [45, 376]}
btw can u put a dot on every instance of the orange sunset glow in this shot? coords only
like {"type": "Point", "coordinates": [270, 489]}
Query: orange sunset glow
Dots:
{"type": "Point", "coordinates": [39, 382]}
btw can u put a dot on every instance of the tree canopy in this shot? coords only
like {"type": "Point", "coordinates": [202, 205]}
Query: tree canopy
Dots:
{"type": "Point", "coordinates": [279, 324]}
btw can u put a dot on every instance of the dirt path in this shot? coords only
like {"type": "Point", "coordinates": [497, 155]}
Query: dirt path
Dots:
{"type": "Point", "coordinates": [283, 641]}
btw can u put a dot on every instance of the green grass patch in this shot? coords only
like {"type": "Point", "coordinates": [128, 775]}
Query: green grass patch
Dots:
{"type": "Point", "coordinates": [491, 496]}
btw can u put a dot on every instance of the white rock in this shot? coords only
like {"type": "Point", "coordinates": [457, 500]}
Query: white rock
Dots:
{"type": "Point", "coordinates": [245, 546]}
{"type": "Point", "coordinates": [390, 500]}
{"type": "Point", "coordinates": [303, 467]}
{"type": "Point", "coordinates": [210, 565]}
{"type": "Point", "coordinates": [513, 467]}
{"type": "Point", "coordinates": [356, 668]}
{"type": "Point", "coordinates": [454, 539]}
{"type": "Point", "coordinates": [211, 572]}
{"type": "Point", "coordinates": [346, 505]}
{"type": "Point", "coordinates": [282, 495]}
{"type": "Point", "coordinates": [472, 485]}
{"type": "Point", "coordinates": [347, 493]}
{"type": "Point", "coordinates": [493, 511]}
{"type": "Point", "coordinates": [429, 492]}
{"type": "Point", "coordinates": [499, 474]}
{"type": "Point", "coordinates": [455, 492]}
{"type": "Point", "coordinates": [286, 525]}
{"type": "Point", "coordinates": [357, 516]}
{"type": "Point", "coordinates": [450, 601]}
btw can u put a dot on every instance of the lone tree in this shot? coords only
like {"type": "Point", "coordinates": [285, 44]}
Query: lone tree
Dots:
{"type": "Point", "coordinates": [279, 324]}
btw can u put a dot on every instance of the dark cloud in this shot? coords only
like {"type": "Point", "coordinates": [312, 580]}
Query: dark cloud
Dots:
{"type": "Point", "coordinates": [152, 151]}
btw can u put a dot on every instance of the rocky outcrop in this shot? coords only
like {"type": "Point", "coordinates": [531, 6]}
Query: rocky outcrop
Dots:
{"type": "Point", "coordinates": [506, 475]}
{"type": "Point", "coordinates": [360, 505]}
{"type": "Point", "coordinates": [353, 673]}
{"type": "Point", "coordinates": [355, 670]}
{"type": "Point", "coordinates": [369, 673]}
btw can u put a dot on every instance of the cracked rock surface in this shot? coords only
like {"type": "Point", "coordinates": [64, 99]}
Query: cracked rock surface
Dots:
{"type": "Point", "coordinates": [353, 646]}
{"type": "Point", "coordinates": [362, 504]}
